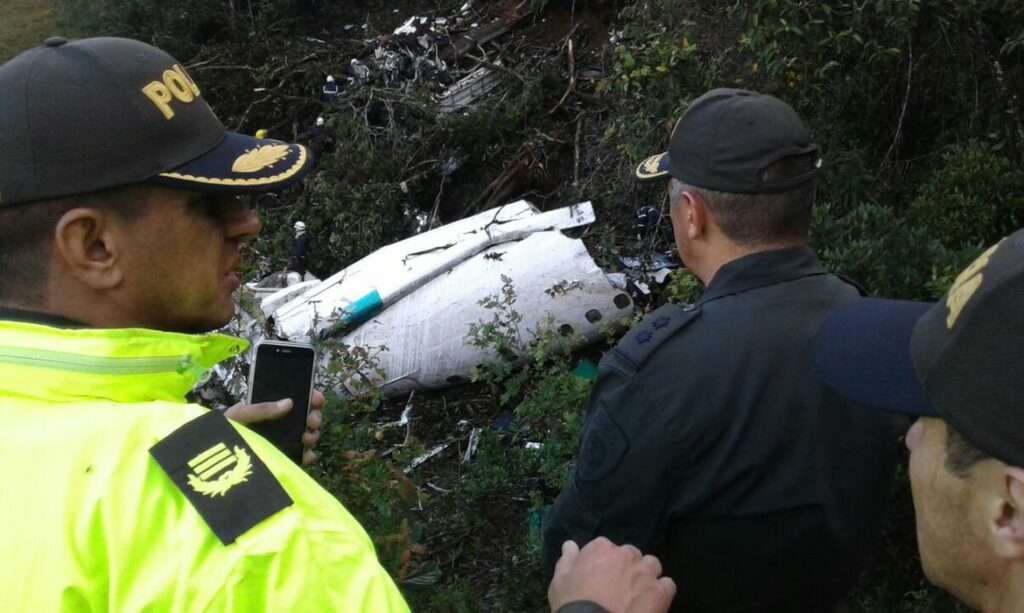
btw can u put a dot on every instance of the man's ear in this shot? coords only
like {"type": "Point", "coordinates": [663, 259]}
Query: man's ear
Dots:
{"type": "Point", "coordinates": [696, 215]}
{"type": "Point", "coordinates": [1008, 518]}
{"type": "Point", "coordinates": [87, 246]}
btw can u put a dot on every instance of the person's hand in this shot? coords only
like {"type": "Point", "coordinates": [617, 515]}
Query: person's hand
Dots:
{"type": "Point", "coordinates": [263, 411]}
{"type": "Point", "coordinates": [620, 579]}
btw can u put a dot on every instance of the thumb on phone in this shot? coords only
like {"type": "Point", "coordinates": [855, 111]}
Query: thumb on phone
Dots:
{"type": "Point", "coordinates": [261, 411]}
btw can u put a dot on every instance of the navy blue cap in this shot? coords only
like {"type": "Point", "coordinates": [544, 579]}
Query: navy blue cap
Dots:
{"type": "Point", "coordinates": [959, 358]}
{"type": "Point", "coordinates": [862, 350]}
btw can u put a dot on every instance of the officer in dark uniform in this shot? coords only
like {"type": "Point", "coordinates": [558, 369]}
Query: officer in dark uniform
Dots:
{"type": "Point", "coordinates": [709, 440]}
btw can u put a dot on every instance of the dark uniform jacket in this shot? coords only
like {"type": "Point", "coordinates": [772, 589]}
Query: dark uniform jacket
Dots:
{"type": "Point", "coordinates": [710, 443]}
{"type": "Point", "coordinates": [299, 257]}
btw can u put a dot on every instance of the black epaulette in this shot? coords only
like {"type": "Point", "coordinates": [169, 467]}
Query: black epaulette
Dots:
{"type": "Point", "coordinates": [223, 478]}
{"type": "Point", "coordinates": [638, 345]}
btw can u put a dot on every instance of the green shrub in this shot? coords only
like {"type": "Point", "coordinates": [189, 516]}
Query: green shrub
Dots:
{"type": "Point", "coordinates": [875, 247]}
{"type": "Point", "coordinates": [974, 199]}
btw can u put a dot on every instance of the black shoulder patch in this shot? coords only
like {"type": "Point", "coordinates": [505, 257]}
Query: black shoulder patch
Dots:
{"type": "Point", "coordinates": [603, 447]}
{"type": "Point", "coordinates": [221, 476]}
{"type": "Point", "coordinates": [641, 341]}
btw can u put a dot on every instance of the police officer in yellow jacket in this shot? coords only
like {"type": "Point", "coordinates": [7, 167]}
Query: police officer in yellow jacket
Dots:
{"type": "Point", "coordinates": [120, 229]}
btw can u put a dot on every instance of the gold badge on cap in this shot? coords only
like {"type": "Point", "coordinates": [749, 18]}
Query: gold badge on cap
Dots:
{"type": "Point", "coordinates": [650, 165]}
{"type": "Point", "coordinates": [219, 469]}
{"type": "Point", "coordinates": [259, 158]}
{"type": "Point", "coordinates": [965, 286]}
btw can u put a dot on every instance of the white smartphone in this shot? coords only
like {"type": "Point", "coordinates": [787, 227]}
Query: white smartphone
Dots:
{"type": "Point", "coordinates": [283, 370]}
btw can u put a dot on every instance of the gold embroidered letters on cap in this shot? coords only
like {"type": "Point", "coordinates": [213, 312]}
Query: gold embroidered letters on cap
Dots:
{"type": "Point", "coordinates": [966, 284]}
{"type": "Point", "coordinates": [259, 158]}
{"type": "Point", "coordinates": [175, 85]}
{"type": "Point", "coordinates": [218, 469]}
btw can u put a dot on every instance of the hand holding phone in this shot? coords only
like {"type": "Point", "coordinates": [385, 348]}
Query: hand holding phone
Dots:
{"type": "Point", "coordinates": [282, 370]}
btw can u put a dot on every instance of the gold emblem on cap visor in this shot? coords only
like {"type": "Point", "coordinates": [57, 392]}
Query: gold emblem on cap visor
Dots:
{"type": "Point", "coordinates": [965, 286]}
{"type": "Point", "coordinates": [218, 469]}
{"type": "Point", "coordinates": [259, 158]}
{"type": "Point", "coordinates": [650, 165]}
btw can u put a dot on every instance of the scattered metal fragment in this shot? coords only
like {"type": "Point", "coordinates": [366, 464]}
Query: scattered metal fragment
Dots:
{"type": "Point", "coordinates": [421, 459]}
{"type": "Point", "coordinates": [468, 90]}
{"type": "Point", "coordinates": [471, 446]}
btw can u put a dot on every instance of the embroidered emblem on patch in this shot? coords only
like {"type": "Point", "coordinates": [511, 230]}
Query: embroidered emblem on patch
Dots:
{"type": "Point", "coordinates": [603, 448]}
{"type": "Point", "coordinates": [220, 469]}
{"type": "Point", "coordinates": [644, 336]}
{"type": "Point", "coordinates": [220, 475]}
{"type": "Point", "coordinates": [660, 322]}
{"type": "Point", "coordinates": [259, 158]}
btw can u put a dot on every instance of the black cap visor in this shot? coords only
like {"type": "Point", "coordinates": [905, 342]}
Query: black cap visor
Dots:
{"type": "Point", "coordinates": [240, 164]}
{"type": "Point", "coordinates": [862, 351]}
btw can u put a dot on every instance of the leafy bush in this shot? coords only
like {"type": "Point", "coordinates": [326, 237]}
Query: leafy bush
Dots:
{"type": "Point", "coordinates": [876, 248]}
{"type": "Point", "coordinates": [377, 493]}
{"type": "Point", "coordinates": [974, 199]}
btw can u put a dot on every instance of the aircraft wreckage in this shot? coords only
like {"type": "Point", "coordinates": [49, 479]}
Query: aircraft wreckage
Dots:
{"type": "Point", "coordinates": [412, 303]}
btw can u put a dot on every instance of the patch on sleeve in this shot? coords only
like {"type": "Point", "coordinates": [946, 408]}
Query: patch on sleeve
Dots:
{"type": "Point", "coordinates": [223, 478]}
{"type": "Point", "coordinates": [604, 446]}
{"type": "Point", "coordinates": [643, 340]}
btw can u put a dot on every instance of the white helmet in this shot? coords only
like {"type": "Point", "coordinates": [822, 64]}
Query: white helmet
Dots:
{"type": "Point", "coordinates": [299, 226]}
{"type": "Point", "coordinates": [330, 79]}
{"type": "Point", "coordinates": [319, 121]}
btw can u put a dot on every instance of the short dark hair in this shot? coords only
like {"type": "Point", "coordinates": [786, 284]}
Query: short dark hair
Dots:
{"type": "Point", "coordinates": [27, 233]}
{"type": "Point", "coordinates": [961, 455]}
{"type": "Point", "coordinates": [751, 219]}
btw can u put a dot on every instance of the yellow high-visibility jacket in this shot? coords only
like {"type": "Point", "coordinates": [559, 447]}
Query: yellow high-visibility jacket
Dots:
{"type": "Point", "coordinates": [104, 469]}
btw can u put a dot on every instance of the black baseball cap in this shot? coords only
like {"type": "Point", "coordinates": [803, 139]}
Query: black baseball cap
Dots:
{"type": "Point", "coordinates": [78, 116]}
{"type": "Point", "coordinates": [959, 359]}
{"type": "Point", "coordinates": [727, 138]}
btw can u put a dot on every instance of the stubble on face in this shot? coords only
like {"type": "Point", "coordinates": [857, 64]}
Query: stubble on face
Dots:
{"type": "Point", "coordinates": [184, 257]}
{"type": "Point", "coordinates": [950, 528]}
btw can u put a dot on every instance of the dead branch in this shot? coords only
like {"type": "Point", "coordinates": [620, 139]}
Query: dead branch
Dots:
{"type": "Point", "coordinates": [903, 110]}
{"type": "Point", "coordinates": [241, 122]}
{"type": "Point", "coordinates": [572, 79]}
{"type": "Point", "coordinates": [482, 62]}
{"type": "Point", "coordinates": [576, 152]}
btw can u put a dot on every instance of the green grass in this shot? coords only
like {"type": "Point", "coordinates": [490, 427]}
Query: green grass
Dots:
{"type": "Point", "coordinates": [24, 24]}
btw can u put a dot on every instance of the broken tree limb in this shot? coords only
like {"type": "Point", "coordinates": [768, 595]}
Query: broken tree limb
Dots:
{"type": "Point", "coordinates": [576, 151]}
{"type": "Point", "coordinates": [572, 79]}
{"type": "Point", "coordinates": [495, 66]}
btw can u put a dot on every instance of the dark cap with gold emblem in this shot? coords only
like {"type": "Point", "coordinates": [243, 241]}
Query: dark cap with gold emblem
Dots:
{"type": "Point", "coordinates": [959, 359]}
{"type": "Point", "coordinates": [728, 138]}
{"type": "Point", "coordinates": [84, 115]}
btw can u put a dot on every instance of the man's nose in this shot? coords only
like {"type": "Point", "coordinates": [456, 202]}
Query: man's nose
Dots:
{"type": "Point", "coordinates": [914, 435]}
